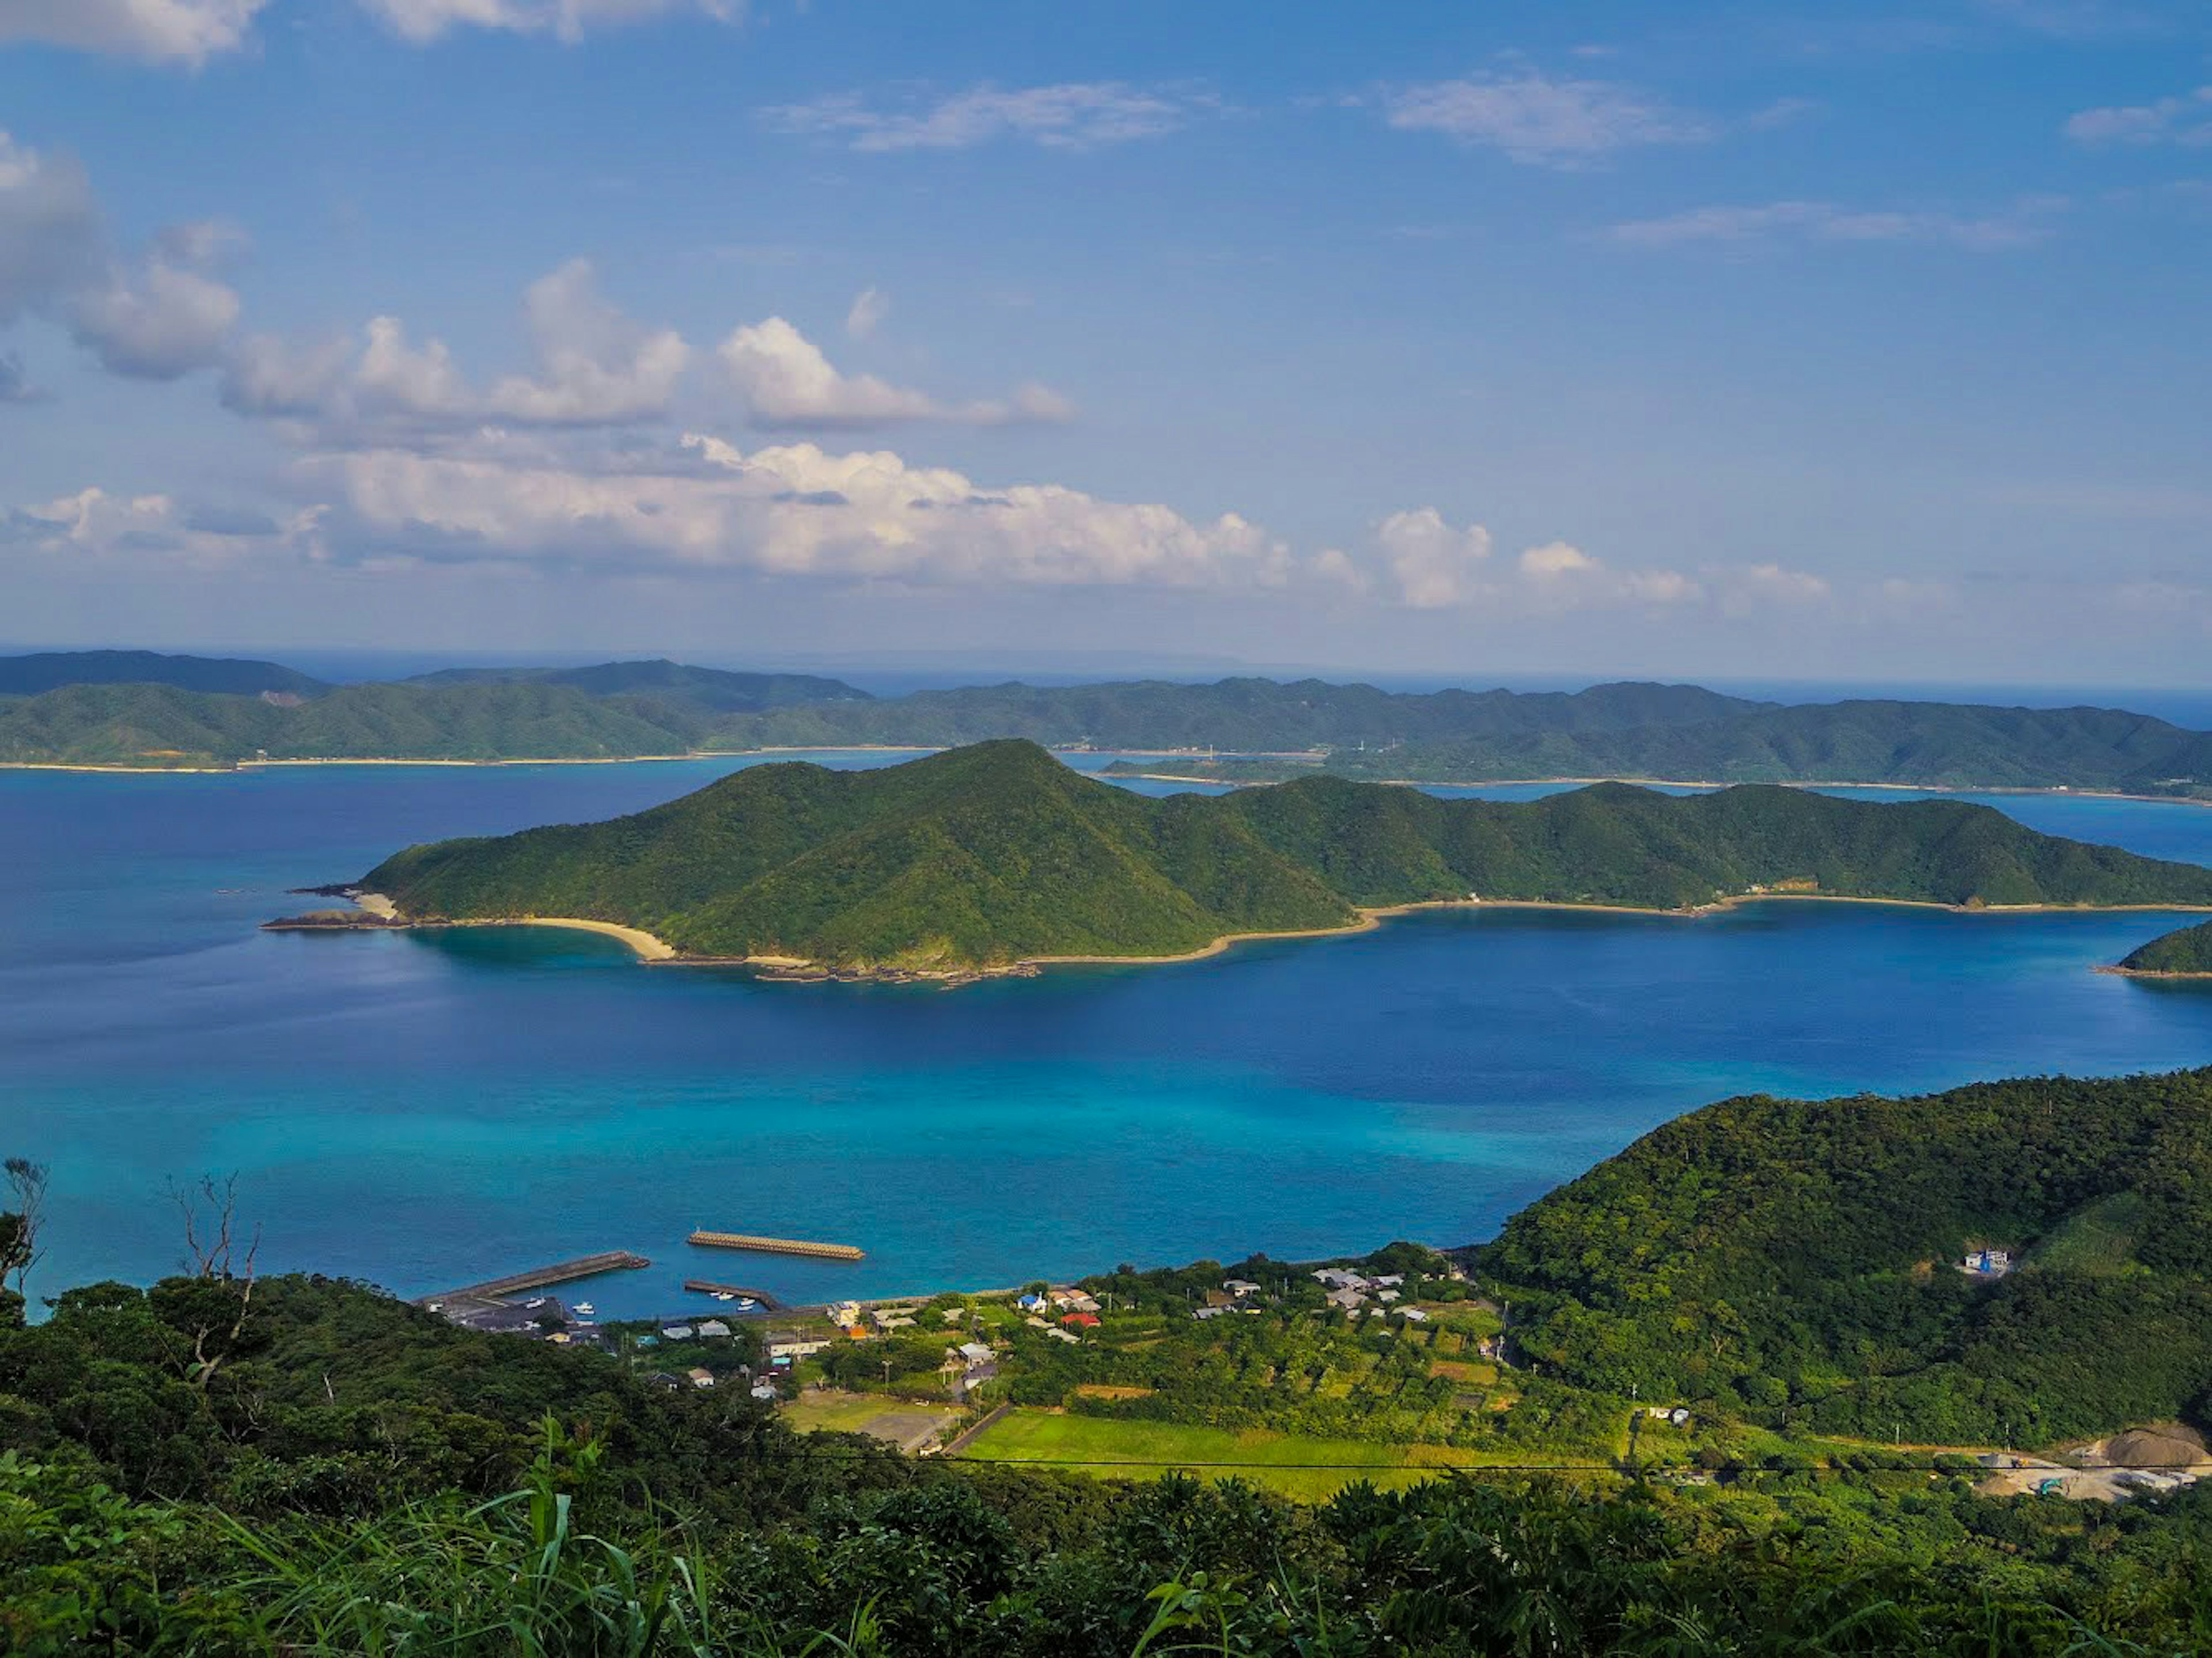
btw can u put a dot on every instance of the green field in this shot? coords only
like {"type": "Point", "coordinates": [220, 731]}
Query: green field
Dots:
{"type": "Point", "coordinates": [1145, 1450]}
{"type": "Point", "coordinates": [901, 1421]}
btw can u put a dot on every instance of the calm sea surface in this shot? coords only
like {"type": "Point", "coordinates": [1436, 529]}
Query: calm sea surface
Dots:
{"type": "Point", "coordinates": [425, 1110]}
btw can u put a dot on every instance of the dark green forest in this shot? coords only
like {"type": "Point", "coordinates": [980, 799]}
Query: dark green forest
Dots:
{"type": "Point", "coordinates": [2188, 951]}
{"type": "Point", "coordinates": [156, 711]}
{"type": "Point", "coordinates": [997, 853]}
{"type": "Point", "coordinates": [1799, 1262]}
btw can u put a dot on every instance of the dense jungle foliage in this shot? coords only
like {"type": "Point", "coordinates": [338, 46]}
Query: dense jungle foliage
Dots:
{"type": "Point", "coordinates": [1800, 1261]}
{"type": "Point", "coordinates": [304, 1466]}
{"type": "Point", "coordinates": [997, 853]}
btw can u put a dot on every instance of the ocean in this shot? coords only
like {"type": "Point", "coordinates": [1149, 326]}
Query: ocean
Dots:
{"type": "Point", "coordinates": [422, 1111]}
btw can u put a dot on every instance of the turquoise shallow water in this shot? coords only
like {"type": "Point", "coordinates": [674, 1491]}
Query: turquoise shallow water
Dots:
{"type": "Point", "coordinates": [424, 1110]}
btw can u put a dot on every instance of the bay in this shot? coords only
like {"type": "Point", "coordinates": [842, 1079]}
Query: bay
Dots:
{"type": "Point", "coordinates": [424, 1110]}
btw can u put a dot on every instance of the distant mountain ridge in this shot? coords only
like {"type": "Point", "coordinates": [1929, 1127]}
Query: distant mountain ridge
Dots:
{"type": "Point", "coordinates": [1233, 731]}
{"type": "Point", "coordinates": [703, 691]}
{"type": "Point", "coordinates": [997, 854]}
{"type": "Point", "coordinates": [46, 671]}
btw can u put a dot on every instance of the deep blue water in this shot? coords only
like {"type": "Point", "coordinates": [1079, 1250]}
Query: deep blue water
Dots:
{"type": "Point", "coordinates": [424, 1110]}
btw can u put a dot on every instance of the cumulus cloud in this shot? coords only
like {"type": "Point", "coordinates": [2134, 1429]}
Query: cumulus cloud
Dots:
{"type": "Point", "coordinates": [1433, 564]}
{"type": "Point", "coordinates": [159, 31]}
{"type": "Point", "coordinates": [159, 319]}
{"type": "Point", "coordinates": [2186, 120]}
{"type": "Point", "coordinates": [793, 510]}
{"type": "Point", "coordinates": [870, 306]}
{"type": "Point", "coordinates": [1072, 115]}
{"type": "Point", "coordinates": [787, 381]}
{"type": "Point", "coordinates": [96, 524]}
{"type": "Point", "coordinates": [159, 322]}
{"type": "Point", "coordinates": [595, 367]}
{"type": "Point", "coordinates": [1539, 120]}
{"type": "Point", "coordinates": [51, 237]}
{"type": "Point", "coordinates": [2024, 225]}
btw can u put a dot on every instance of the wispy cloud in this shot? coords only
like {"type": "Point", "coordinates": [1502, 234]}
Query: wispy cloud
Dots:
{"type": "Point", "coordinates": [2021, 225]}
{"type": "Point", "coordinates": [2186, 120]}
{"type": "Point", "coordinates": [1071, 115]}
{"type": "Point", "coordinates": [1541, 121]}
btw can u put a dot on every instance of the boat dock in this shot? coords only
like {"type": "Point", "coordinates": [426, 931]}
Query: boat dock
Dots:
{"type": "Point", "coordinates": [777, 1246]}
{"type": "Point", "coordinates": [700, 1286]}
{"type": "Point", "coordinates": [540, 1278]}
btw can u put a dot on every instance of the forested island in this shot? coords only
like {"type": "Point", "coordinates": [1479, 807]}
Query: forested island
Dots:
{"type": "Point", "coordinates": [137, 710]}
{"type": "Point", "coordinates": [1731, 1400]}
{"type": "Point", "coordinates": [2186, 954]}
{"type": "Point", "coordinates": [997, 854]}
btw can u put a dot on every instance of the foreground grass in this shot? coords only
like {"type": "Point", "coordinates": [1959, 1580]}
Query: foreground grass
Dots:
{"type": "Point", "coordinates": [1146, 1450]}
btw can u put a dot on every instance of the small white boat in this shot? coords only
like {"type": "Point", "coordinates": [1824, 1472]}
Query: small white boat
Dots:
{"type": "Point", "coordinates": [724, 1295]}
{"type": "Point", "coordinates": [585, 1309]}
{"type": "Point", "coordinates": [746, 1304]}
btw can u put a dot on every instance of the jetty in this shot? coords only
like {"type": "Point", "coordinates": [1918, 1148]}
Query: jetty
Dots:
{"type": "Point", "coordinates": [700, 1286]}
{"type": "Point", "coordinates": [705, 1240]}
{"type": "Point", "coordinates": [541, 1278]}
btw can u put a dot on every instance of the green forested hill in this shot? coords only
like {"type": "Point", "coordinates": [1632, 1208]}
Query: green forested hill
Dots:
{"type": "Point", "coordinates": [1801, 1260]}
{"type": "Point", "coordinates": [46, 671]}
{"type": "Point", "coordinates": [1930, 744]}
{"type": "Point", "coordinates": [997, 853]}
{"type": "Point", "coordinates": [158, 726]}
{"type": "Point", "coordinates": [1255, 715]}
{"type": "Point", "coordinates": [2187, 951]}
{"type": "Point", "coordinates": [1633, 731]}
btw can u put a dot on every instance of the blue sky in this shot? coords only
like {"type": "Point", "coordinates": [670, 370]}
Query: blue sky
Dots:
{"type": "Point", "coordinates": [1830, 340]}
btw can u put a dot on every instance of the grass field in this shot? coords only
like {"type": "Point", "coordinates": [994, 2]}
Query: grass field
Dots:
{"type": "Point", "coordinates": [1278, 1461]}
{"type": "Point", "coordinates": [897, 1420]}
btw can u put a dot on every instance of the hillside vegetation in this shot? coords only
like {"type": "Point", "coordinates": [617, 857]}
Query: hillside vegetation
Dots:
{"type": "Point", "coordinates": [2188, 951]}
{"type": "Point", "coordinates": [298, 1465]}
{"type": "Point", "coordinates": [1801, 1261]}
{"type": "Point", "coordinates": [159, 725]}
{"type": "Point", "coordinates": [997, 853]}
{"type": "Point", "coordinates": [1270, 730]}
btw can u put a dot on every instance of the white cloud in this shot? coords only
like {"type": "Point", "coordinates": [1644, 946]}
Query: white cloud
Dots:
{"type": "Point", "coordinates": [2186, 120]}
{"type": "Point", "coordinates": [1073, 115]}
{"type": "Point", "coordinates": [1538, 121]}
{"type": "Point", "coordinates": [788, 382]}
{"type": "Point", "coordinates": [568, 20]}
{"type": "Point", "coordinates": [160, 31]}
{"type": "Point", "coordinates": [52, 239]}
{"type": "Point", "coordinates": [1555, 559]}
{"type": "Point", "coordinates": [795, 510]}
{"type": "Point", "coordinates": [2024, 225]}
{"type": "Point", "coordinates": [95, 524]}
{"type": "Point", "coordinates": [870, 306]}
{"type": "Point", "coordinates": [594, 367]}
{"type": "Point", "coordinates": [157, 323]}
{"type": "Point", "coordinates": [597, 365]}
{"type": "Point", "coordinates": [1433, 564]}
